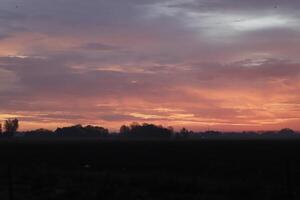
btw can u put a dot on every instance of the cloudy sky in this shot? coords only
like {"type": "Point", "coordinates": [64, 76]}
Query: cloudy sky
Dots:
{"type": "Point", "coordinates": [217, 64]}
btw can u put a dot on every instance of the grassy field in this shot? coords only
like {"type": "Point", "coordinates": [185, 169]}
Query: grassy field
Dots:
{"type": "Point", "coordinates": [206, 169]}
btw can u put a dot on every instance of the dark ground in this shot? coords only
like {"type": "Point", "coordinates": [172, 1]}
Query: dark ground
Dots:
{"type": "Point", "coordinates": [206, 169]}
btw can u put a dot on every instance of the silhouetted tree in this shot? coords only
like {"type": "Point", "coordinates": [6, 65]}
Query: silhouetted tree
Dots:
{"type": "Point", "coordinates": [124, 130]}
{"type": "Point", "coordinates": [134, 125]}
{"type": "Point", "coordinates": [39, 133]}
{"type": "Point", "coordinates": [96, 131]}
{"type": "Point", "coordinates": [72, 131]}
{"type": "Point", "coordinates": [145, 131]}
{"type": "Point", "coordinates": [11, 126]}
{"type": "Point", "coordinates": [183, 133]}
{"type": "Point", "coordinates": [210, 134]}
{"type": "Point", "coordinates": [80, 131]}
{"type": "Point", "coordinates": [287, 132]}
{"type": "Point", "coordinates": [171, 129]}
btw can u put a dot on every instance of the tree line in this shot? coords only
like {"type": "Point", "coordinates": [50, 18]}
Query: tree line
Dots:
{"type": "Point", "coordinates": [134, 131]}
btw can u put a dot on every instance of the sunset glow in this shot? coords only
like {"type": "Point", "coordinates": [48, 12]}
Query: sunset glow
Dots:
{"type": "Point", "coordinates": [222, 65]}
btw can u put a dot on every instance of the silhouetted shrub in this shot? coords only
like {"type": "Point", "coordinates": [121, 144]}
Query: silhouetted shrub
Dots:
{"type": "Point", "coordinates": [287, 132]}
{"type": "Point", "coordinates": [145, 131]}
{"type": "Point", "coordinates": [183, 134]}
{"type": "Point", "coordinates": [40, 133]}
{"type": "Point", "coordinates": [80, 131]}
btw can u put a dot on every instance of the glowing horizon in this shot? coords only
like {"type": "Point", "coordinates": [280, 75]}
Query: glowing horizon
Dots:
{"type": "Point", "coordinates": [222, 65]}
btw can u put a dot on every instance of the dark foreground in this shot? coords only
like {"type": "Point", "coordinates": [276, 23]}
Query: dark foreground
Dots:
{"type": "Point", "coordinates": [208, 169]}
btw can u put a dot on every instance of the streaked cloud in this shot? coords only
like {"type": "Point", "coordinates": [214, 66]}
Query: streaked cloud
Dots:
{"type": "Point", "coordinates": [197, 63]}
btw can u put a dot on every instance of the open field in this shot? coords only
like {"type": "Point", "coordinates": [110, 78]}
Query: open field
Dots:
{"type": "Point", "coordinates": [206, 169]}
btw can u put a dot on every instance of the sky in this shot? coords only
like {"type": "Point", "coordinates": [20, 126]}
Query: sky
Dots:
{"type": "Point", "coordinates": [201, 64]}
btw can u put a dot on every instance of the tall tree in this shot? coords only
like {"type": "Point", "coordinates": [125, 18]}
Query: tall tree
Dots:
{"type": "Point", "coordinates": [11, 126]}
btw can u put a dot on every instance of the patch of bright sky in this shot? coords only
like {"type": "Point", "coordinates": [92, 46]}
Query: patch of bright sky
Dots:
{"type": "Point", "coordinates": [224, 24]}
{"type": "Point", "coordinates": [214, 24]}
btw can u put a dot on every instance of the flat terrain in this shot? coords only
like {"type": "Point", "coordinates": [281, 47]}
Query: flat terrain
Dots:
{"type": "Point", "coordinates": [179, 169]}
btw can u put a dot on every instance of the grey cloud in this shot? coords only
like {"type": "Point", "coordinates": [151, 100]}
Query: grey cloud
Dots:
{"type": "Point", "coordinates": [51, 77]}
{"type": "Point", "coordinates": [100, 47]}
{"type": "Point", "coordinates": [240, 6]}
{"type": "Point", "coordinates": [262, 68]}
{"type": "Point", "coordinates": [10, 15]}
{"type": "Point", "coordinates": [8, 79]}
